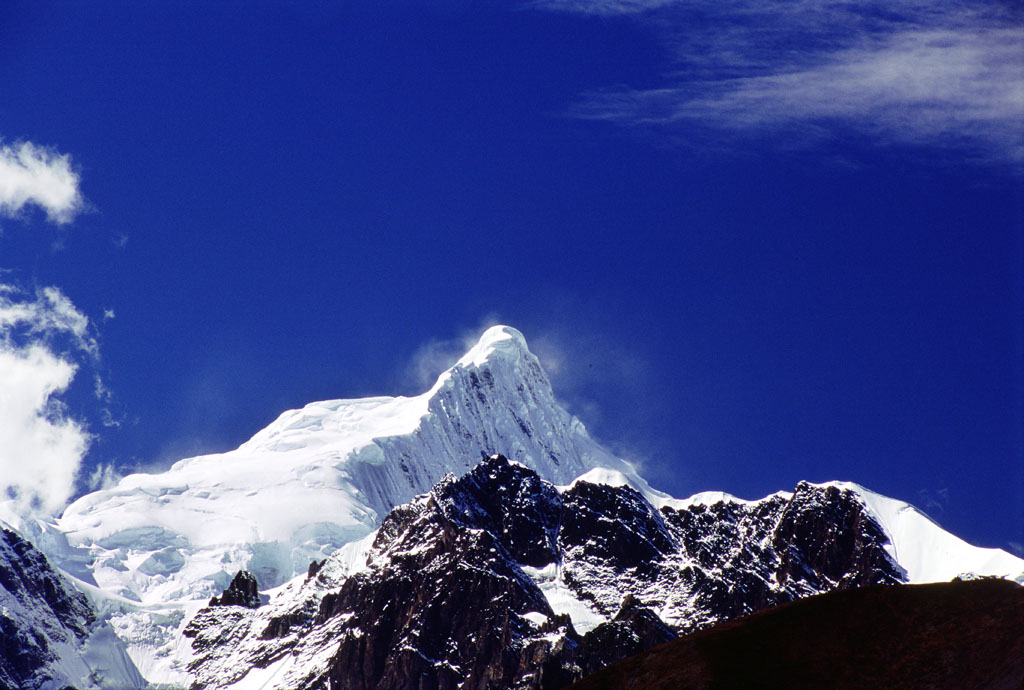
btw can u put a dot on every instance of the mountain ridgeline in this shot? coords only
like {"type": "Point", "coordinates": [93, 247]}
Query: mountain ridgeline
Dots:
{"type": "Point", "coordinates": [363, 544]}
{"type": "Point", "coordinates": [499, 579]}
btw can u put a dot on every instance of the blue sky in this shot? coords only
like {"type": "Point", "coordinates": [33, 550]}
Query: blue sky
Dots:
{"type": "Point", "coordinates": [752, 245]}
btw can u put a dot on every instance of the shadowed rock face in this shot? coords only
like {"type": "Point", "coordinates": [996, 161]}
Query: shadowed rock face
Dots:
{"type": "Point", "coordinates": [451, 607]}
{"type": "Point", "coordinates": [826, 540]}
{"type": "Point", "coordinates": [243, 591]}
{"type": "Point", "coordinates": [50, 636]}
{"type": "Point", "coordinates": [948, 635]}
{"type": "Point", "coordinates": [450, 615]}
{"type": "Point", "coordinates": [26, 574]}
{"type": "Point", "coordinates": [62, 615]}
{"type": "Point", "coordinates": [451, 592]}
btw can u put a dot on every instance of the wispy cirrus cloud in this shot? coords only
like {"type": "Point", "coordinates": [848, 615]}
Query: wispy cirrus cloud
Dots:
{"type": "Point", "coordinates": [602, 7]}
{"type": "Point", "coordinates": [902, 72]}
{"type": "Point", "coordinates": [39, 176]}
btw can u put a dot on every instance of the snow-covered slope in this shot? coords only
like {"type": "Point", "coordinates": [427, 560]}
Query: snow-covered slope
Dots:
{"type": "Point", "coordinates": [312, 481]}
{"type": "Point", "coordinates": [927, 552]}
{"type": "Point", "coordinates": [50, 635]}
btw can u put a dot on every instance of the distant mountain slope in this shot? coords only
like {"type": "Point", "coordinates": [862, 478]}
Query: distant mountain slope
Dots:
{"type": "Point", "coordinates": [50, 637]}
{"type": "Point", "coordinates": [916, 637]}
{"type": "Point", "coordinates": [499, 579]}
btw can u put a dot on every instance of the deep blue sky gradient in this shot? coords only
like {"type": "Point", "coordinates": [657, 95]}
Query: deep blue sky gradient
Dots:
{"type": "Point", "coordinates": [288, 203]}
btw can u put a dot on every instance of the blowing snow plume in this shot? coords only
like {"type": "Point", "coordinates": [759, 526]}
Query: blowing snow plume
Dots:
{"type": "Point", "coordinates": [906, 72]}
{"type": "Point", "coordinates": [41, 446]}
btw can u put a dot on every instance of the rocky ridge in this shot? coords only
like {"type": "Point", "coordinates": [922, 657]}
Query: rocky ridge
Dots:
{"type": "Point", "coordinates": [499, 579]}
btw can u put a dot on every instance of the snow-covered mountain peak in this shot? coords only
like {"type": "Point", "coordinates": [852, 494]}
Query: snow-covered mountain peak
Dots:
{"type": "Point", "coordinates": [497, 341]}
{"type": "Point", "coordinates": [359, 421]}
{"type": "Point", "coordinates": [313, 480]}
{"type": "Point", "coordinates": [322, 475]}
{"type": "Point", "coordinates": [318, 479]}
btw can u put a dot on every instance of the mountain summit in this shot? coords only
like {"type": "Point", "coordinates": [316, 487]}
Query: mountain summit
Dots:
{"type": "Point", "coordinates": [313, 480]}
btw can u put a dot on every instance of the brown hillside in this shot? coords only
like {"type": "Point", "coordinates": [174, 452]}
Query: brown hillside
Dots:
{"type": "Point", "coordinates": [958, 635]}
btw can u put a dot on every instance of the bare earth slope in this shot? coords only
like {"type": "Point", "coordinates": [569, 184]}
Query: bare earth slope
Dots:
{"type": "Point", "coordinates": [965, 635]}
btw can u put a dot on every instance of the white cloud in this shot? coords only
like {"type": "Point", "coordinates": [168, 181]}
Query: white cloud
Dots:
{"type": "Point", "coordinates": [904, 72]}
{"type": "Point", "coordinates": [31, 174]}
{"type": "Point", "coordinates": [41, 445]}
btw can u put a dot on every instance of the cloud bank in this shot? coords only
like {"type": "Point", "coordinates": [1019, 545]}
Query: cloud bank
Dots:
{"type": "Point", "coordinates": [34, 175]}
{"type": "Point", "coordinates": [904, 72]}
{"type": "Point", "coordinates": [41, 445]}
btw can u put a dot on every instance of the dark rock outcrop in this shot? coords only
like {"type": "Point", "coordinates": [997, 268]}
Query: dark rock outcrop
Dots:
{"type": "Point", "coordinates": [825, 540]}
{"type": "Point", "coordinates": [243, 591]}
{"type": "Point", "coordinates": [27, 578]}
{"type": "Point", "coordinates": [634, 629]}
{"type": "Point", "coordinates": [446, 607]}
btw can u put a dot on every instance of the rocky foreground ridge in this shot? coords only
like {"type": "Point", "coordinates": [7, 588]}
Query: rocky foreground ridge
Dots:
{"type": "Point", "coordinates": [964, 634]}
{"type": "Point", "coordinates": [499, 579]}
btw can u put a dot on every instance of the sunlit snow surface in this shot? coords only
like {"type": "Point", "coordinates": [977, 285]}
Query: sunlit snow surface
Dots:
{"type": "Point", "coordinates": [563, 600]}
